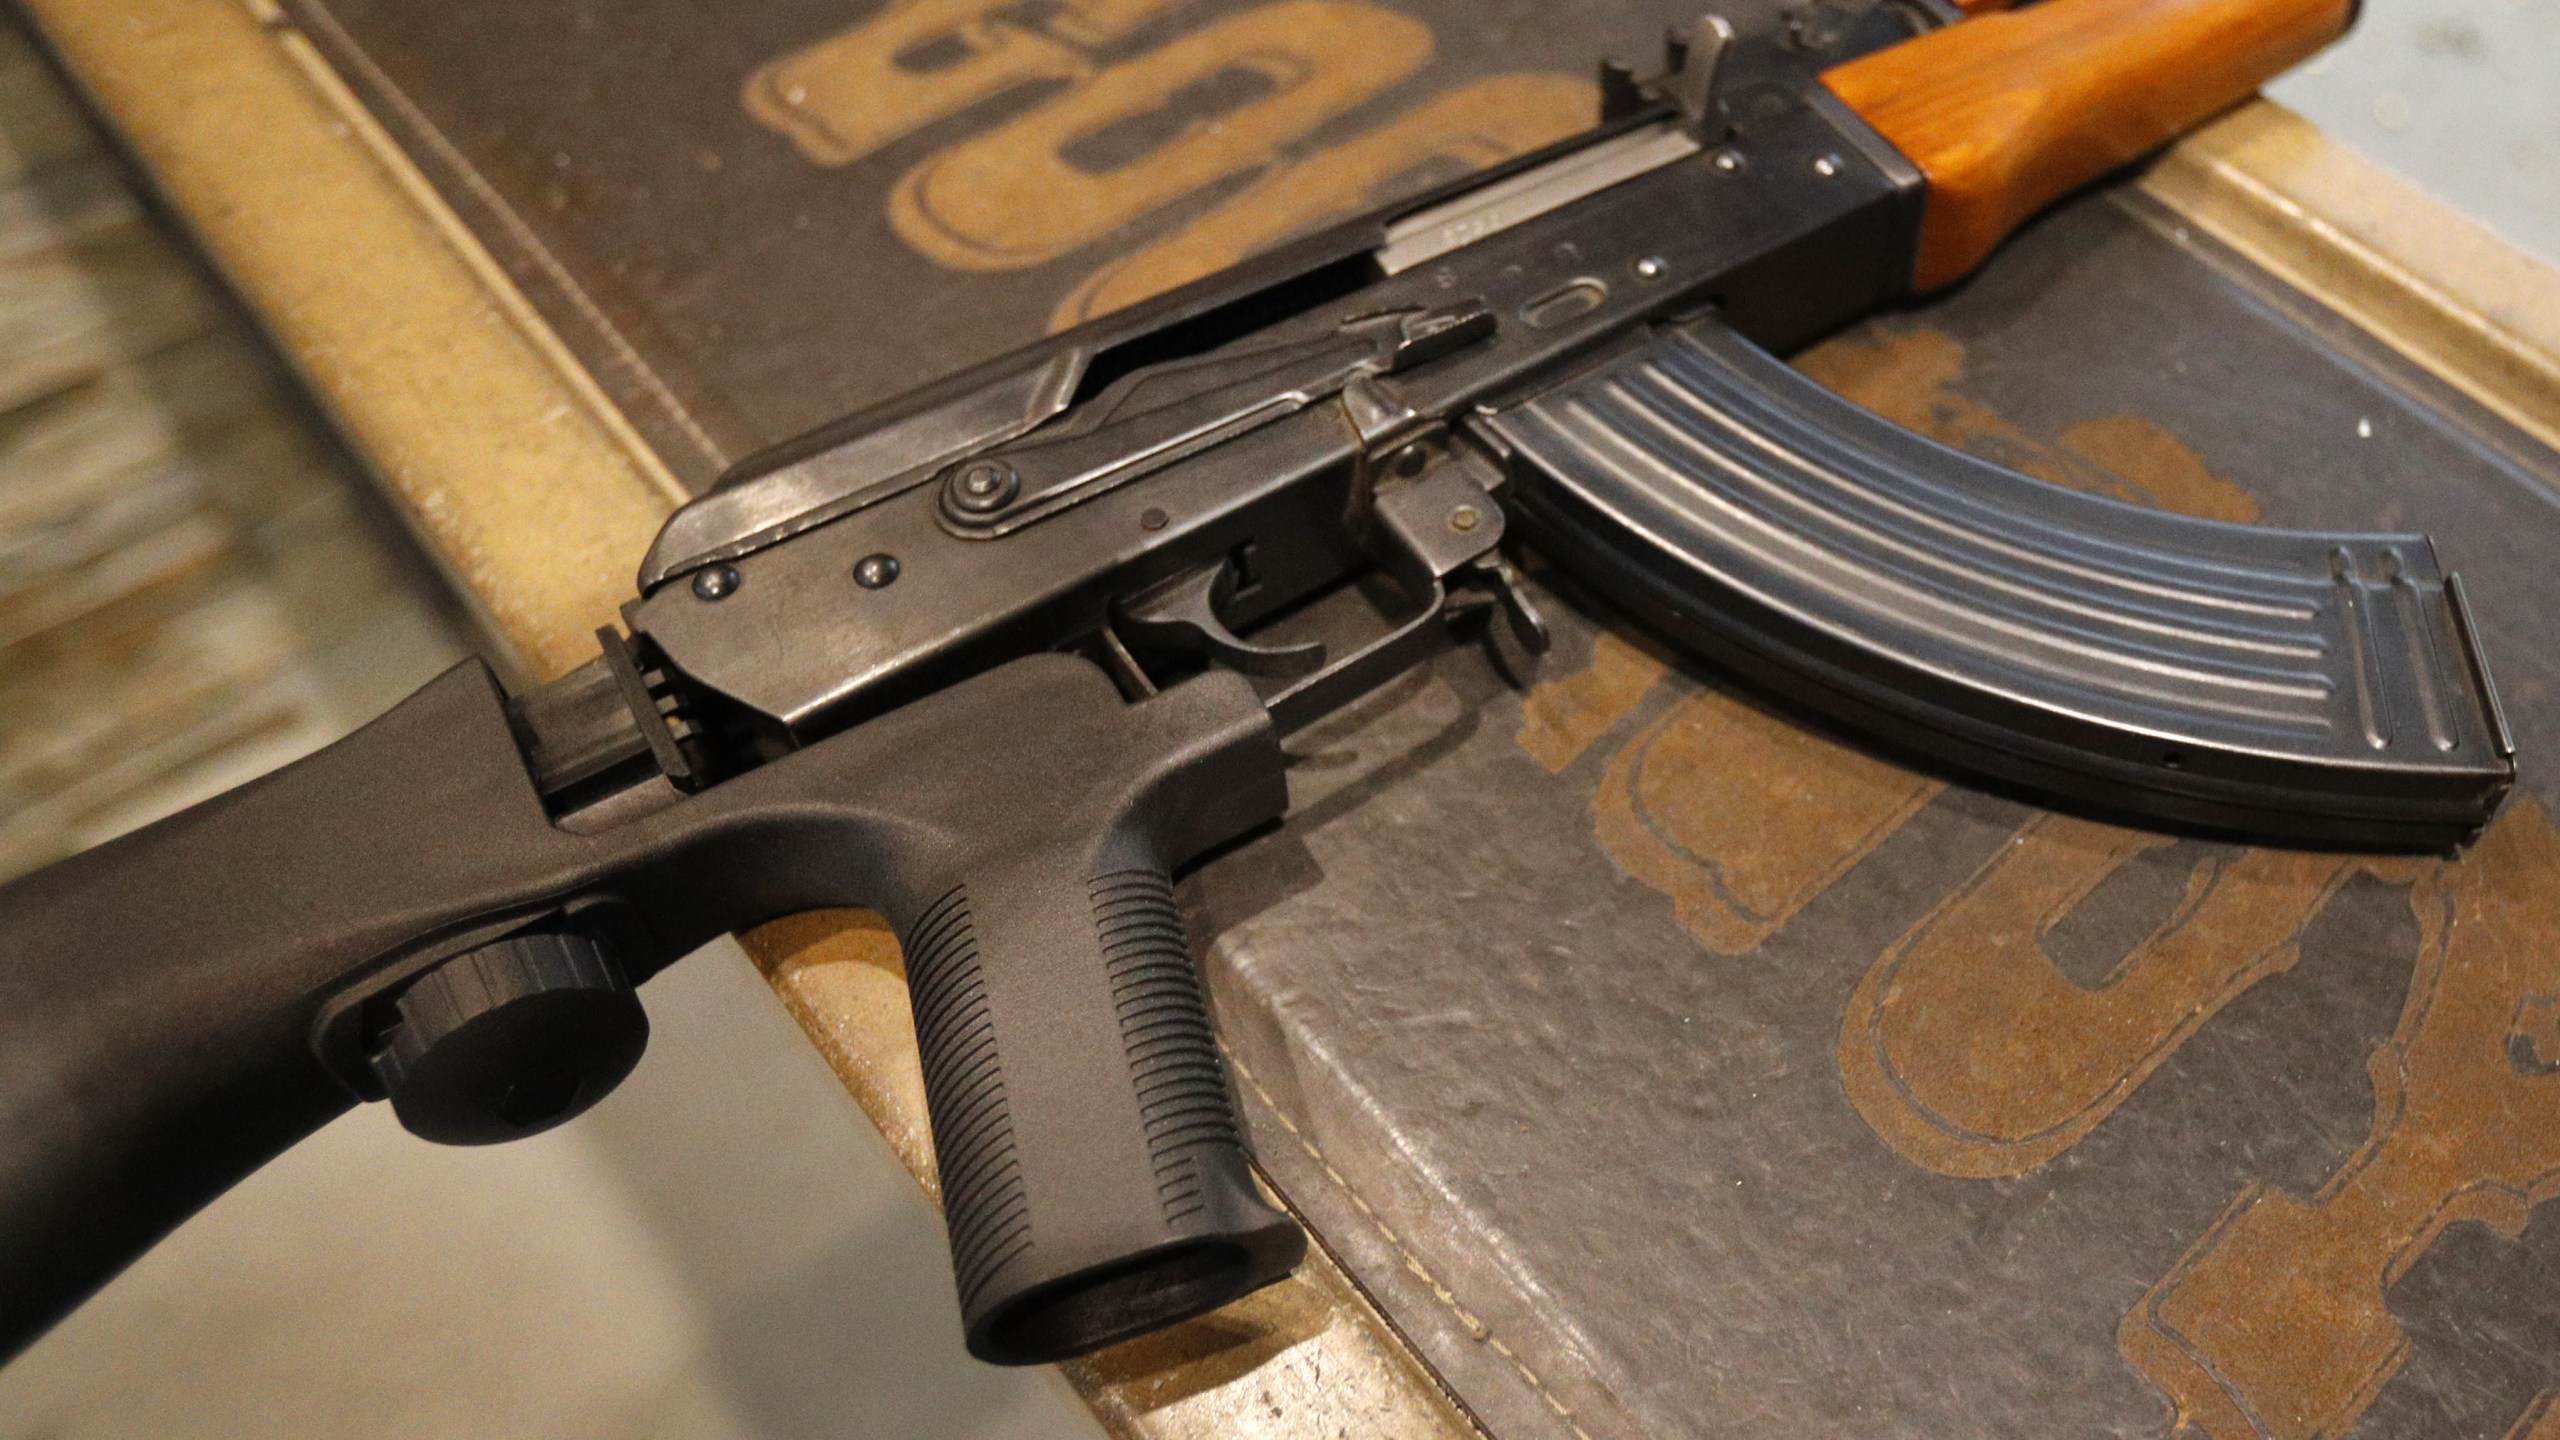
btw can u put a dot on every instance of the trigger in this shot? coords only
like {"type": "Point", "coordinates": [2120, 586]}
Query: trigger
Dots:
{"type": "Point", "coordinates": [1181, 616]}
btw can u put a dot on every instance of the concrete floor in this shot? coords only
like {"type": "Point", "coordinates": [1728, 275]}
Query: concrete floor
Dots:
{"type": "Point", "coordinates": [724, 1248]}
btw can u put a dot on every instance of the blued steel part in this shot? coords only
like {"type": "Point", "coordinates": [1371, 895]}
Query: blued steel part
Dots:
{"type": "Point", "coordinates": [1159, 416]}
{"type": "Point", "coordinates": [1693, 84]}
{"type": "Point", "coordinates": [1425, 236]}
{"type": "Point", "coordinates": [1426, 531]}
{"type": "Point", "coordinates": [837, 469]}
{"type": "Point", "coordinates": [1877, 151]}
{"type": "Point", "coordinates": [1180, 616]}
{"type": "Point", "coordinates": [2310, 687]}
{"type": "Point", "coordinates": [161, 1014]}
{"type": "Point", "coordinates": [1793, 251]}
{"type": "Point", "coordinates": [2480, 664]}
{"type": "Point", "coordinates": [809, 490]}
{"type": "Point", "coordinates": [866, 458]}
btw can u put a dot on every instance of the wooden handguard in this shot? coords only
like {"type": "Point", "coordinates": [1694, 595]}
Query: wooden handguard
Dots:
{"type": "Point", "coordinates": [2006, 113]}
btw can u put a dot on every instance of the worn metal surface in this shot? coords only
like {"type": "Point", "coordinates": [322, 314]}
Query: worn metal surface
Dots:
{"type": "Point", "coordinates": [541, 511]}
{"type": "Point", "coordinates": [1659, 1060]}
{"type": "Point", "coordinates": [1661, 1065]}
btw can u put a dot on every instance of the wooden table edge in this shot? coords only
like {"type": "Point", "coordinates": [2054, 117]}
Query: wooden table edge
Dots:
{"type": "Point", "coordinates": [2413, 272]}
{"type": "Point", "coordinates": [518, 476]}
{"type": "Point", "coordinates": [537, 498]}
{"type": "Point", "coordinates": [539, 507]}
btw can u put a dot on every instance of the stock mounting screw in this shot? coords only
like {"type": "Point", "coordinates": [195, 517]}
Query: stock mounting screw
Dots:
{"type": "Point", "coordinates": [509, 1039]}
{"type": "Point", "coordinates": [875, 572]}
{"type": "Point", "coordinates": [717, 583]}
{"type": "Point", "coordinates": [1827, 166]}
{"type": "Point", "coordinates": [1465, 518]}
{"type": "Point", "coordinates": [1651, 268]}
{"type": "Point", "coordinates": [985, 487]}
{"type": "Point", "coordinates": [1727, 162]}
{"type": "Point", "coordinates": [1153, 519]}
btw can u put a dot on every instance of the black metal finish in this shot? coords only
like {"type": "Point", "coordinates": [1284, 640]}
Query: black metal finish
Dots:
{"type": "Point", "coordinates": [833, 692]}
{"type": "Point", "coordinates": [182, 1004]}
{"type": "Point", "coordinates": [1165, 414]}
{"type": "Point", "coordinates": [2320, 688]}
{"type": "Point", "coordinates": [1813, 232]}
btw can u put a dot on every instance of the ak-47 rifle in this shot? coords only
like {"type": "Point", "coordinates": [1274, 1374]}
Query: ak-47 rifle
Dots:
{"type": "Point", "coordinates": [989, 664]}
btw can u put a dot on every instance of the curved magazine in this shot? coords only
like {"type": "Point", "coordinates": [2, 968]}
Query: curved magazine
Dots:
{"type": "Point", "coordinates": [2300, 687]}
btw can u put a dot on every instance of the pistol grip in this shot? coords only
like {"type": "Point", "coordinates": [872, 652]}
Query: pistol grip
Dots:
{"type": "Point", "coordinates": [1093, 1176]}
{"type": "Point", "coordinates": [178, 1006]}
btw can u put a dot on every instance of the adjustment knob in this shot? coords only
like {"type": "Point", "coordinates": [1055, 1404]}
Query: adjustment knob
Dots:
{"type": "Point", "coordinates": [509, 1040]}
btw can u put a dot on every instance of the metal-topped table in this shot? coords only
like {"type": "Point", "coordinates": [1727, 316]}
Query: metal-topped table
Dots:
{"type": "Point", "coordinates": [1645, 1061]}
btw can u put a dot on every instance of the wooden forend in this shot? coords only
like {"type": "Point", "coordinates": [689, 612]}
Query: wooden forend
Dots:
{"type": "Point", "coordinates": [2009, 112]}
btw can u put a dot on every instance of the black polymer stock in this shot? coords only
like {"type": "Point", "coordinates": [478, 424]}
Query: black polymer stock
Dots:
{"type": "Point", "coordinates": [988, 663]}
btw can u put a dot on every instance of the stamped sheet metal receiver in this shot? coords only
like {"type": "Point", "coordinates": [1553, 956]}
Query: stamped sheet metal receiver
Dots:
{"type": "Point", "coordinates": [999, 662]}
{"type": "Point", "coordinates": [1421, 238]}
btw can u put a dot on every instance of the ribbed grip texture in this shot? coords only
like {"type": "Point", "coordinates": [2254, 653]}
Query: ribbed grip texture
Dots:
{"type": "Point", "coordinates": [983, 1199]}
{"type": "Point", "coordinates": [471, 985]}
{"type": "Point", "coordinates": [1164, 1026]}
